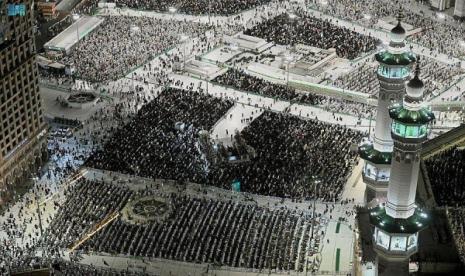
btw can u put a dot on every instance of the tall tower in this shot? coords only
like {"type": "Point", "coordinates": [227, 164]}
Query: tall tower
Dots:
{"type": "Point", "coordinates": [398, 221]}
{"type": "Point", "coordinates": [22, 128]}
{"type": "Point", "coordinates": [394, 68]}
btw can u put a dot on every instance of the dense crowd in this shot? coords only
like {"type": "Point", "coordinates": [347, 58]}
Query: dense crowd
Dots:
{"type": "Point", "coordinates": [197, 229]}
{"type": "Point", "coordinates": [440, 33]}
{"type": "Point", "coordinates": [457, 223]}
{"type": "Point", "coordinates": [59, 266]}
{"type": "Point", "coordinates": [290, 152]}
{"type": "Point", "coordinates": [446, 172]}
{"type": "Point", "coordinates": [195, 7]}
{"type": "Point", "coordinates": [164, 132]}
{"type": "Point", "coordinates": [315, 32]}
{"type": "Point", "coordinates": [122, 43]}
{"type": "Point", "coordinates": [90, 200]}
{"type": "Point", "coordinates": [245, 82]}
{"type": "Point", "coordinates": [437, 77]}
{"type": "Point", "coordinates": [211, 231]}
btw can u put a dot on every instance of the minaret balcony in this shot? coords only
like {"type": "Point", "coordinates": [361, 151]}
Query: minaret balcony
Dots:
{"type": "Point", "coordinates": [376, 184]}
{"type": "Point", "coordinates": [396, 238]}
{"type": "Point", "coordinates": [368, 153]}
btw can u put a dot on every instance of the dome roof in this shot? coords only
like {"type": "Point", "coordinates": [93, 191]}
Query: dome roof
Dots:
{"type": "Point", "coordinates": [398, 33]}
{"type": "Point", "coordinates": [415, 82]}
{"type": "Point", "coordinates": [415, 85]}
{"type": "Point", "coordinates": [398, 29]}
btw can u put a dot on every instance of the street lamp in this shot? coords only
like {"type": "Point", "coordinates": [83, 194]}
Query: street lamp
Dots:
{"type": "Point", "coordinates": [183, 38]}
{"type": "Point", "coordinates": [289, 59]}
{"type": "Point", "coordinates": [209, 12]}
{"type": "Point", "coordinates": [76, 18]}
{"type": "Point", "coordinates": [36, 196]}
{"type": "Point", "coordinates": [316, 181]}
{"type": "Point", "coordinates": [134, 30]}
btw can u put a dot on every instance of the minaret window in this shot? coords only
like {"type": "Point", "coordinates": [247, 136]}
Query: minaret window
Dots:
{"type": "Point", "coordinates": [393, 72]}
{"type": "Point", "coordinates": [412, 241]}
{"type": "Point", "coordinates": [399, 243]}
{"type": "Point", "coordinates": [409, 131]}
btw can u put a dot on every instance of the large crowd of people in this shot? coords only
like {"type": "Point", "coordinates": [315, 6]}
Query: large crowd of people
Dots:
{"type": "Point", "coordinates": [90, 200]}
{"type": "Point", "coordinates": [312, 31]}
{"type": "Point", "coordinates": [439, 32]}
{"type": "Point", "coordinates": [211, 231]}
{"type": "Point", "coordinates": [446, 172]}
{"type": "Point", "coordinates": [195, 7]}
{"type": "Point", "coordinates": [437, 77]}
{"type": "Point", "coordinates": [239, 79]}
{"type": "Point", "coordinates": [198, 229]}
{"type": "Point", "coordinates": [122, 43]}
{"type": "Point", "coordinates": [150, 130]}
{"type": "Point", "coordinates": [457, 223]}
{"type": "Point", "coordinates": [290, 154]}
{"type": "Point", "coordinates": [164, 133]}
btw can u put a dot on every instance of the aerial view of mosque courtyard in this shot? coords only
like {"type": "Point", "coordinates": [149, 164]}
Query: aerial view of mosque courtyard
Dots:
{"type": "Point", "coordinates": [232, 137]}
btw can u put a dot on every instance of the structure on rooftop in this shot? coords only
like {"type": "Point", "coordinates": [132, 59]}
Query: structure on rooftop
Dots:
{"type": "Point", "coordinates": [394, 68]}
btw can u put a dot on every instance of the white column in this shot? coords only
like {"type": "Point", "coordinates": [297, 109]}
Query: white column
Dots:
{"type": "Point", "coordinates": [382, 137]}
{"type": "Point", "coordinates": [403, 184]}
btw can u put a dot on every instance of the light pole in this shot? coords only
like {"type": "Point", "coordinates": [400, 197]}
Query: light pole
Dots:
{"type": "Point", "coordinates": [134, 30]}
{"type": "Point", "coordinates": [289, 59]}
{"type": "Point", "coordinates": [183, 39]}
{"type": "Point", "coordinates": [36, 196]}
{"type": "Point", "coordinates": [316, 181]}
{"type": "Point", "coordinates": [369, 125]}
{"type": "Point", "coordinates": [209, 11]}
{"type": "Point", "coordinates": [76, 18]}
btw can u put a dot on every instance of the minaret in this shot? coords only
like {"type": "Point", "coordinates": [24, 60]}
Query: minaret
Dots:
{"type": "Point", "coordinates": [394, 68]}
{"type": "Point", "coordinates": [409, 130]}
{"type": "Point", "coordinates": [398, 221]}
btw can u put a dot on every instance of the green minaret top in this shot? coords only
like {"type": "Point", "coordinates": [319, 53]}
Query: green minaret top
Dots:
{"type": "Point", "coordinates": [412, 111]}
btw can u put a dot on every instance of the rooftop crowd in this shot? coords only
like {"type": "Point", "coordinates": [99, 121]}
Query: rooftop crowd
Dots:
{"type": "Point", "coordinates": [446, 171]}
{"type": "Point", "coordinates": [441, 33]}
{"type": "Point", "coordinates": [437, 76]}
{"type": "Point", "coordinates": [195, 7]}
{"type": "Point", "coordinates": [284, 30]}
{"type": "Point", "coordinates": [122, 43]}
{"type": "Point", "coordinates": [239, 79]}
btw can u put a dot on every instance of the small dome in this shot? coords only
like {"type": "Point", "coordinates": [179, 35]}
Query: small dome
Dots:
{"type": "Point", "coordinates": [398, 33]}
{"type": "Point", "coordinates": [415, 85]}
